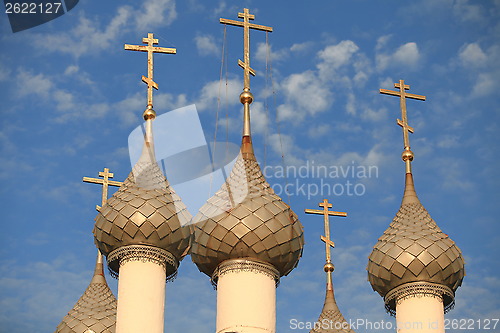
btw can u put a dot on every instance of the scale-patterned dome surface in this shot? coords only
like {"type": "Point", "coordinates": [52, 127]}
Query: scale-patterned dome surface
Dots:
{"type": "Point", "coordinates": [95, 311]}
{"type": "Point", "coordinates": [144, 211]}
{"type": "Point", "coordinates": [414, 249]}
{"type": "Point", "coordinates": [246, 219]}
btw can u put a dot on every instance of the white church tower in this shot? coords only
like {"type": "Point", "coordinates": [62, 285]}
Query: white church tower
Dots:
{"type": "Point", "coordinates": [245, 236]}
{"type": "Point", "coordinates": [414, 266]}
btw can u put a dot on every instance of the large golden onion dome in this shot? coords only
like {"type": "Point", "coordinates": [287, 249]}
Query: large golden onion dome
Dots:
{"type": "Point", "coordinates": [246, 219]}
{"type": "Point", "coordinates": [414, 249]}
{"type": "Point", "coordinates": [144, 211]}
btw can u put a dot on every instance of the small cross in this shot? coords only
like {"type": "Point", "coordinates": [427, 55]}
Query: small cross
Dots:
{"type": "Point", "coordinates": [105, 182]}
{"type": "Point", "coordinates": [403, 95]}
{"type": "Point", "coordinates": [150, 49]}
{"type": "Point", "coordinates": [326, 213]}
{"type": "Point", "coordinates": [246, 16]}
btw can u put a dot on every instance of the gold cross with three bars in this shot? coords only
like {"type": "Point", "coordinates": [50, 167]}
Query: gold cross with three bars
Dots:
{"type": "Point", "coordinates": [150, 49]}
{"type": "Point", "coordinates": [105, 182]}
{"type": "Point", "coordinates": [246, 16]}
{"type": "Point", "coordinates": [403, 95]}
{"type": "Point", "coordinates": [326, 213]}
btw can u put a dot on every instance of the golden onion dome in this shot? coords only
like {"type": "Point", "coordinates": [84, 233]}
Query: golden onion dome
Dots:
{"type": "Point", "coordinates": [144, 211]}
{"type": "Point", "coordinates": [414, 249]}
{"type": "Point", "coordinates": [246, 219]}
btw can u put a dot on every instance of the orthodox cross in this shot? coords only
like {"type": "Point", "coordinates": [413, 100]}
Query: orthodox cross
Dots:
{"type": "Point", "coordinates": [326, 213]}
{"type": "Point", "coordinates": [246, 16]}
{"type": "Point", "coordinates": [105, 182]}
{"type": "Point", "coordinates": [150, 49]}
{"type": "Point", "coordinates": [403, 95]}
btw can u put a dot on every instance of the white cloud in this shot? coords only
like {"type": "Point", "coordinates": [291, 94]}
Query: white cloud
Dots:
{"type": "Point", "coordinates": [448, 141]}
{"type": "Point", "coordinates": [39, 293]}
{"type": "Point", "coordinates": [319, 130]}
{"type": "Point", "coordinates": [485, 84]}
{"type": "Point", "coordinates": [305, 94]}
{"type": "Point", "coordinates": [464, 11]}
{"type": "Point", "coordinates": [206, 45]}
{"type": "Point", "coordinates": [259, 118]}
{"type": "Point", "coordinates": [156, 13]}
{"type": "Point", "coordinates": [228, 93]}
{"type": "Point", "coordinates": [335, 56]}
{"type": "Point", "coordinates": [36, 84]}
{"type": "Point", "coordinates": [265, 53]}
{"type": "Point", "coordinates": [86, 36]}
{"type": "Point", "coordinates": [483, 67]}
{"type": "Point", "coordinates": [407, 55]}
{"type": "Point", "coordinates": [69, 105]}
{"type": "Point", "coordinates": [301, 47]}
{"type": "Point", "coordinates": [222, 8]}
{"type": "Point", "coordinates": [374, 115]}
{"type": "Point", "coordinates": [90, 37]}
{"type": "Point", "coordinates": [65, 100]}
{"type": "Point", "coordinates": [70, 70]}
{"type": "Point", "coordinates": [382, 42]}
{"type": "Point", "coordinates": [471, 55]}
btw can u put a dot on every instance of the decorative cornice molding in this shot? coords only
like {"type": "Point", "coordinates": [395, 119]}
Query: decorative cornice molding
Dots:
{"type": "Point", "coordinates": [143, 253]}
{"type": "Point", "coordinates": [419, 289]}
{"type": "Point", "coordinates": [245, 265]}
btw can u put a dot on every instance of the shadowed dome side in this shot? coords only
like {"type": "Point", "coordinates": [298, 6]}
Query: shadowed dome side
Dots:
{"type": "Point", "coordinates": [246, 219]}
{"type": "Point", "coordinates": [144, 211]}
{"type": "Point", "coordinates": [95, 311]}
{"type": "Point", "coordinates": [414, 249]}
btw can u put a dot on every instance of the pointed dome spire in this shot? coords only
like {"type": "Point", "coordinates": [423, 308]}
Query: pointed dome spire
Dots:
{"type": "Point", "coordinates": [95, 311]}
{"type": "Point", "coordinates": [413, 253]}
{"type": "Point", "coordinates": [245, 218]}
{"type": "Point", "coordinates": [331, 319]}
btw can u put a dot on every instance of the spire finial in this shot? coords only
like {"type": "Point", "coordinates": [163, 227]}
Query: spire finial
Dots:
{"type": "Point", "coordinates": [246, 97]}
{"type": "Point", "coordinates": [149, 113]}
{"type": "Point", "coordinates": [105, 182]}
{"type": "Point", "coordinates": [407, 153]}
{"type": "Point", "coordinates": [328, 242]}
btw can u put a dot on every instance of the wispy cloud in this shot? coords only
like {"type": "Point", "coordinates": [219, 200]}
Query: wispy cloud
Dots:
{"type": "Point", "coordinates": [155, 13]}
{"type": "Point", "coordinates": [90, 36]}
{"type": "Point", "coordinates": [214, 92]}
{"type": "Point", "coordinates": [266, 53]}
{"type": "Point", "coordinates": [36, 296]}
{"type": "Point", "coordinates": [69, 106]}
{"type": "Point", "coordinates": [206, 45]}
{"type": "Point", "coordinates": [407, 55]}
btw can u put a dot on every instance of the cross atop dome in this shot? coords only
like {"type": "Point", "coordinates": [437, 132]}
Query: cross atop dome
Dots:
{"type": "Point", "coordinates": [150, 49]}
{"type": "Point", "coordinates": [105, 182]}
{"type": "Point", "coordinates": [407, 154]}
{"type": "Point", "coordinates": [246, 16]}
{"type": "Point", "coordinates": [326, 239]}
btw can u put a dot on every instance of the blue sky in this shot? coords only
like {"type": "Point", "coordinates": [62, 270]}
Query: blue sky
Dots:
{"type": "Point", "coordinates": [71, 96]}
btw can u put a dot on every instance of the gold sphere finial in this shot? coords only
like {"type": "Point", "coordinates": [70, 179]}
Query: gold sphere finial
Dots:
{"type": "Point", "coordinates": [407, 155]}
{"type": "Point", "coordinates": [329, 267]}
{"type": "Point", "coordinates": [246, 97]}
{"type": "Point", "coordinates": [149, 113]}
